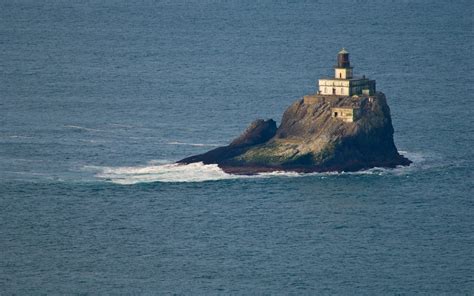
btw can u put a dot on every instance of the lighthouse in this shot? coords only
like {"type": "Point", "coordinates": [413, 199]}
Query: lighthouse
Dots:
{"type": "Point", "coordinates": [344, 83]}
{"type": "Point", "coordinates": [343, 69]}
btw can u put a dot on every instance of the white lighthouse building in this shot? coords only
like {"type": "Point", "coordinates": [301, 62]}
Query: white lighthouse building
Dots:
{"type": "Point", "coordinates": [344, 83]}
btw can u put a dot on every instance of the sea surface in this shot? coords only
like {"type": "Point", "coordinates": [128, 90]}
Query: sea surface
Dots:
{"type": "Point", "coordinates": [99, 98]}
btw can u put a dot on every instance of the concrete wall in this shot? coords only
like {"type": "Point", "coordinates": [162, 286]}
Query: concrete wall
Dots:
{"type": "Point", "coordinates": [334, 90]}
{"type": "Point", "coordinates": [320, 99]}
{"type": "Point", "coordinates": [345, 114]}
{"type": "Point", "coordinates": [334, 87]}
{"type": "Point", "coordinates": [347, 87]}
{"type": "Point", "coordinates": [358, 86]}
{"type": "Point", "coordinates": [342, 73]}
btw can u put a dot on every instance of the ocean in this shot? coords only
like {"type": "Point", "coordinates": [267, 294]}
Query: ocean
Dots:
{"type": "Point", "coordinates": [99, 98]}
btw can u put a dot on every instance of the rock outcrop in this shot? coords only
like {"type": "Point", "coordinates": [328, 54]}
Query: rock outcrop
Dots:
{"type": "Point", "coordinates": [311, 139]}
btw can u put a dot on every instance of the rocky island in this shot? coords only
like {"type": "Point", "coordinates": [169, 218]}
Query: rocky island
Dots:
{"type": "Point", "coordinates": [345, 126]}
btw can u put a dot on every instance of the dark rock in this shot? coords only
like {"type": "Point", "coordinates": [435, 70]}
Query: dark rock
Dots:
{"type": "Point", "coordinates": [259, 131]}
{"type": "Point", "coordinates": [310, 139]}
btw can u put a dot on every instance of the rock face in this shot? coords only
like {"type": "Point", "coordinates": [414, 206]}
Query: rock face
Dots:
{"type": "Point", "coordinates": [311, 139]}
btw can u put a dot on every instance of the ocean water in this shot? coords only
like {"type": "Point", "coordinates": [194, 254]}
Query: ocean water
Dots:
{"type": "Point", "coordinates": [99, 98]}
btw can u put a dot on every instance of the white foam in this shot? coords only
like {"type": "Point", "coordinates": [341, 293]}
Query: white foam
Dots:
{"type": "Point", "coordinates": [159, 161]}
{"type": "Point", "coordinates": [420, 161]}
{"type": "Point", "coordinates": [163, 171]}
{"type": "Point", "coordinates": [17, 137]}
{"type": "Point", "coordinates": [194, 172]}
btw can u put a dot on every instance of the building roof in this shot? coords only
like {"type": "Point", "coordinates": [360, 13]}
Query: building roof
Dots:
{"type": "Point", "coordinates": [354, 78]}
{"type": "Point", "coordinates": [343, 50]}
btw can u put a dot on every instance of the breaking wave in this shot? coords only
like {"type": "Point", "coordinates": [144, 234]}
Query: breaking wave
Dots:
{"type": "Point", "coordinates": [194, 172]}
{"type": "Point", "coordinates": [164, 171]}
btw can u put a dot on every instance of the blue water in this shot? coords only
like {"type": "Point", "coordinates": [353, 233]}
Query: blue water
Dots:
{"type": "Point", "coordinates": [98, 98]}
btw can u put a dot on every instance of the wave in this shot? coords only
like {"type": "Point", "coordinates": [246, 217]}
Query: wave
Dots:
{"type": "Point", "coordinates": [420, 161]}
{"type": "Point", "coordinates": [25, 160]}
{"type": "Point", "coordinates": [83, 128]}
{"type": "Point", "coordinates": [192, 144]}
{"type": "Point", "coordinates": [164, 171]}
{"type": "Point", "coordinates": [17, 137]}
{"type": "Point", "coordinates": [194, 172]}
{"type": "Point", "coordinates": [158, 171]}
{"type": "Point", "coordinates": [121, 125]}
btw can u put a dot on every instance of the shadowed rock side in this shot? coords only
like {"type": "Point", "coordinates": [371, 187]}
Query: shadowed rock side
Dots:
{"type": "Point", "coordinates": [259, 132]}
{"type": "Point", "coordinates": [310, 139]}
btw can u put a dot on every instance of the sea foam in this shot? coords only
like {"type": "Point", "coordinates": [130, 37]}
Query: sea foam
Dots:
{"type": "Point", "coordinates": [194, 172]}
{"type": "Point", "coordinates": [164, 171]}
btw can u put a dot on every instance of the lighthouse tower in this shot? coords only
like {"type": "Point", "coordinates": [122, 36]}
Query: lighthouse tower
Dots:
{"type": "Point", "coordinates": [343, 69]}
{"type": "Point", "coordinates": [344, 83]}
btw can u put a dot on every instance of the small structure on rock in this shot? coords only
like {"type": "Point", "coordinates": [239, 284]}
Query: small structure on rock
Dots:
{"type": "Point", "coordinates": [346, 114]}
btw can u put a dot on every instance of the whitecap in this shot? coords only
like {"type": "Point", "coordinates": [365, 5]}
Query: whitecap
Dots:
{"type": "Point", "coordinates": [20, 137]}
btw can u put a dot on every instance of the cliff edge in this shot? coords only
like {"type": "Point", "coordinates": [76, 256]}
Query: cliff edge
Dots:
{"type": "Point", "coordinates": [317, 134]}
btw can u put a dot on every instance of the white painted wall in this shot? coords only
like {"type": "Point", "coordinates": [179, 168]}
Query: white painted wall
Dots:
{"type": "Point", "coordinates": [341, 87]}
{"type": "Point", "coordinates": [345, 87]}
{"type": "Point", "coordinates": [342, 73]}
